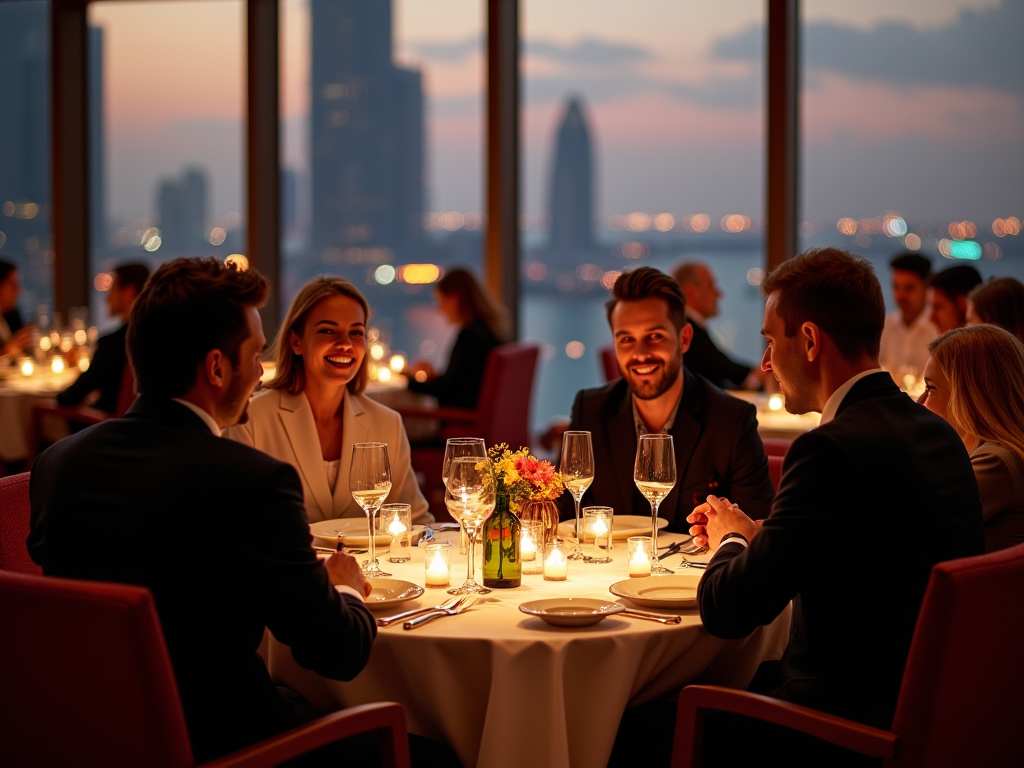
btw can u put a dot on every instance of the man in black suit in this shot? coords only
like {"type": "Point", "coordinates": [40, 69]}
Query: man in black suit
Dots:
{"type": "Point", "coordinates": [14, 336]}
{"type": "Point", "coordinates": [106, 369]}
{"type": "Point", "coordinates": [704, 358]}
{"type": "Point", "coordinates": [868, 503]}
{"type": "Point", "coordinates": [714, 435]}
{"type": "Point", "coordinates": [215, 529]}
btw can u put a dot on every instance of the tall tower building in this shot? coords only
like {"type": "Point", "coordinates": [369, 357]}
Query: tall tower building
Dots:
{"type": "Point", "coordinates": [367, 137]}
{"type": "Point", "coordinates": [571, 204]}
{"type": "Point", "coordinates": [181, 206]}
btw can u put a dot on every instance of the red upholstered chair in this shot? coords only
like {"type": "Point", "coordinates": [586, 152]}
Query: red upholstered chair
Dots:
{"type": "Point", "coordinates": [962, 697]}
{"type": "Point", "coordinates": [775, 446]}
{"type": "Point", "coordinates": [79, 415]}
{"type": "Point", "coordinates": [502, 415]}
{"type": "Point", "coordinates": [610, 364]}
{"type": "Point", "coordinates": [14, 525]}
{"type": "Point", "coordinates": [88, 683]}
{"type": "Point", "coordinates": [775, 470]}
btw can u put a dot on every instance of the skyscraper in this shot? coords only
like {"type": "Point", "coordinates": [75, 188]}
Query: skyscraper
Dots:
{"type": "Point", "coordinates": [181, 204]}
{"type": "Point", "coordinates": [571, 204]}
{"type": "Point", "coordinates": [367, 137]}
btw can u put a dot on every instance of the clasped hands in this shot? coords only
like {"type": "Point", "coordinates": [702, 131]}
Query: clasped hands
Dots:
{"type": "Point", "coordinates": [716, 517]}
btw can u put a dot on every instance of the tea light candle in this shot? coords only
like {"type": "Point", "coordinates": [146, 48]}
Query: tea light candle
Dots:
{"type": "Point", "coordinates": [438, 565]}
{"type": "Point", "coordinates": [57, 364]}
{"type": "Point", "coordinates": [396, 519]}
{"type": "Point", "coordinates": [638, 548]}
{"type": "Point", "coordinates": [775, 403]}
{"type": "Point", "coordinates": [531, 540]}
{"type": "Point", "coordinates": [527, 546]}
{"type": "Point", "coordinates": [556, 566]}
{"type": "Point", "coordinates": [27, 367]}
{"type": "Point", "coordinates": [396, 528]}
{"type": "Point", "coordinates": [600, 530]}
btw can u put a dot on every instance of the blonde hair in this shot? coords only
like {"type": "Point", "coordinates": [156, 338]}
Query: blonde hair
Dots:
{"type": "Point", "coordinates": [291, 371]}
{"type": "Point", "coordinates": [984, 365]}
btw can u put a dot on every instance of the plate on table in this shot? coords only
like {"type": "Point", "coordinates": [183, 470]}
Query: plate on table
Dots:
{"type": "Point", "coordinates": [388, 592]}
{"type": "Point", "coordinates": [571, 611]}
{"type": "Point", "coordinates": [623, 526]}
{"type": "Point", "coordinates": [352, 532]}
{"type": "Point", "coordinates": [676, 591]}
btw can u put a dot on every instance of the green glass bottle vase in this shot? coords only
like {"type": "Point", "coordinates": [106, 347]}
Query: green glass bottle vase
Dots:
{"type": "Point", "coordinates": [503, 568]}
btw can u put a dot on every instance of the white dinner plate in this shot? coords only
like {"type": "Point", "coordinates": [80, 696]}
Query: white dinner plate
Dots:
{"type": "Point", "coordinates": [388, 592]}
{"type": "Point", "coordinates": [676, 591]}
{"type": "Point", "coordinates": [623, 526]}
{"type": "Point", "coordinates": [571, 611]}
{"type": "Point", "coordinates": [352, 531]}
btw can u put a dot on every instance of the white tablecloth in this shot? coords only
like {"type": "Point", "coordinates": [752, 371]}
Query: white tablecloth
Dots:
{"type": "Point", "coordinates": [506, 690]}
{"type": "Point", "coordinates": [17, 396]}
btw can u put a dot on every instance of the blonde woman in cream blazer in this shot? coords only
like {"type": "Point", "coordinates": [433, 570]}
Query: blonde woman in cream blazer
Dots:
{"type": "Point", "coordinates": [313, 411]}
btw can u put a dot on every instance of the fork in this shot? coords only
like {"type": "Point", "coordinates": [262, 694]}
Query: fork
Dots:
{"type": "Point", "coordinates": [385, 621]}
{"type": "Point", "coordinates": [463, 603]}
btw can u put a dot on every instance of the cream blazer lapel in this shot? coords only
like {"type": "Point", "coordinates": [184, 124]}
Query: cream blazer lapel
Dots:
{"type": "Point", "coordinates": [354, 429]}
{"type": "Point", "coordinates": [297, 419]}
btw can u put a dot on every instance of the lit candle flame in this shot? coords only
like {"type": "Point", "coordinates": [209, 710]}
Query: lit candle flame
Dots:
{"type": "Point", "coordinates": [27, 368]}
{"type": "Point", "coordinates": [775, 403]}
{"type": "Point", "coordinates": [396, 528]}
{"type": "Point", "coordinates": [527, 546]}
{"type": "Point", "coordinates": [437, 566]}
{"type": "Point", "coordinates": [57, 365]}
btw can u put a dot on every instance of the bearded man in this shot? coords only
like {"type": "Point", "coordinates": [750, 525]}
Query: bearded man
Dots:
{"type": "Point", "coordinates": [714, 434]}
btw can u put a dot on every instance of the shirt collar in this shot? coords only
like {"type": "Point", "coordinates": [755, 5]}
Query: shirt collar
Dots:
{"type": "Point", "coordinates": [207, 418]}
{"type": "Point", "coordinates": [832, 404]}
{"type": "Point", "coordinates": [641, 427]}
{"type": "Point", "coordinates": [695, 316]}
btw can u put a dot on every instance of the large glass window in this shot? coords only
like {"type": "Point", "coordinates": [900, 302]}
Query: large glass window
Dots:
{"type": "Point", "coordinates": [25, 223]}
{"type": "Point", "coordinates": [382, 144]}
{"type": "Point", "coordinates": [642, 144]}
{"type": "Point", "coordinates": [168, 145]}
{"type": "Point", "coordinates": [913, 131]}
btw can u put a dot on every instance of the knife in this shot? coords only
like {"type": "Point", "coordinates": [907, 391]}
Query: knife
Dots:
{"type": "Point", "coordinates": [651, 617]}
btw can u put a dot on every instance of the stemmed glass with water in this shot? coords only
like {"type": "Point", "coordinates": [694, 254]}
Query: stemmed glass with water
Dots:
{"type": "Point", "coordinates": [655, 475]}
{"type": "Point", "coordinates": [454, 448]}
{"type": "Point", "coordinates": [470, 497]}
{"type": "Point", "coordinates": [369, 481]}
{"type": "Point", "coordinates": [578, 469]}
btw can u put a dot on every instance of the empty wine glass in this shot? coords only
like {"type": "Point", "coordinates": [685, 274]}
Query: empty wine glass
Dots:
{"type": "Point", "coordinates": [655, 475]}
{"type": "Point", "coordinates": [470, 497]}
{"type": "Point", "coordinates": [369, 481]}
{"type": "Point", "coordinates": [453, 448]}
{"type": "Point", "coordinates": [578, 469]}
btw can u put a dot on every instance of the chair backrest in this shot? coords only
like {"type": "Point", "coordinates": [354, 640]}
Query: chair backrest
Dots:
{"type": "Point", "coordinates": [503, 407]}
{"type": "Point", "coordinates": [15, 514]}
{"type": "Point", "coordinates": [610, 364]}
{"type": "Point", "coordinates": [962, 697]}
{"type": "Point", "coordinates": [776, 446]}
{"type": "Point", "coordinates": [126, 395]}
{"type": "Point", "coordinates": [775, 470]}
{"type": "Point", "coordinates": [86, 677]}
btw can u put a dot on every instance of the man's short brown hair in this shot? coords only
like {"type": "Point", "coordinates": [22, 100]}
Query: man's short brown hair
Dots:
{"type": "Point", "coordinates": [649, 283]}
{"type": "Point", "coordinates": [187, 308]}
{"type": "Point", "coordinates": [835, 290]}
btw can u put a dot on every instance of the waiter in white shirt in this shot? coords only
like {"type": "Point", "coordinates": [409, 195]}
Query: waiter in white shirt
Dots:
{"type": "Point", "coordinates": [908, 330]}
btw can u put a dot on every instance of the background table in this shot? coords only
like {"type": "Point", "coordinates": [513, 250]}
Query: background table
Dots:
{"type": "Point", "coordinates": [17, 396]}
{"type": "Point", "coordinates": [504, 689]}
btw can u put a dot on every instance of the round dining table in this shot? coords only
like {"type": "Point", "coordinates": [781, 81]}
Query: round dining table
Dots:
{"type": "Point", "coordinates": [18, 393]}
{"type": "Point", "coordinates": [506, 690]}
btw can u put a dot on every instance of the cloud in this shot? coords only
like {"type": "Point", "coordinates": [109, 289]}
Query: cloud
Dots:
{"type": "Point", "coordinates": [449, 52]}
{"type": "Point", "coordinates": [978, 49]}
{"type": "Point", "coordinates": [589, 51]}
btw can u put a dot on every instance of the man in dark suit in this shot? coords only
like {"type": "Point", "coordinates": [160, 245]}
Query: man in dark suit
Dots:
{"type": "Point", "coordinates": [106, 369]}
{"type": "Point", "coordinates": [704, 357]}
{"type": "Point", "coordinates": [714, 435]}
{"type": "Point", "coordinates": [868, 503]}
{"type": "Point", "coordinates": [215, 529]}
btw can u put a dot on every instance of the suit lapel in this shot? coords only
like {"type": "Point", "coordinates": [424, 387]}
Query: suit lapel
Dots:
{"type": "Point", "coordinates": [355, 429]}
{"type": "Point", "coordinates": [686, 431]}
{"type": "Point", "coordinates": [622, 439]}
{"type": "Point", "coordinates": [297, 418]}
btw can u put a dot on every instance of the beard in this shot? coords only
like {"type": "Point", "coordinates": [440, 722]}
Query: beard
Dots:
{"type": "Point", "coordinates": [236, 402]}
{"type": "Point", "coordinates": [651, 390]}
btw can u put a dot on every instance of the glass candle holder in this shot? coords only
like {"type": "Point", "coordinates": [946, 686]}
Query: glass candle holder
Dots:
{"type": "Point", "coordinates": [640, 553]}
{"type": "Point", "coordinates": [597, 534]}
{"type": "Point", "coordinates": [396, 521]}
{"type": "Point", "coordinates": [531, 546]}
{"type": "Point", "coordinates": [556, 562]}
{"type": "Point", "coordinates": [437, 562]}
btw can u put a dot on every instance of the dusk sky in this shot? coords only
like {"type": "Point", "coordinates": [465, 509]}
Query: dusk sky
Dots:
{"type": "Point", "coordinates": [913, 106]}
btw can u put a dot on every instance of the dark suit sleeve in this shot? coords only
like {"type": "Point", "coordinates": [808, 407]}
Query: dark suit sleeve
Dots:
{"type": "Point", "coordinates": [744, 588]}
{"type": "Point", "coordinates": [707, 360]}
{"type": "Point", "coordinates": [327, 632]}
{"type": "Point", "coordinates": [104, 374]}
{"type": "Point", "coordinates": [750, 485]}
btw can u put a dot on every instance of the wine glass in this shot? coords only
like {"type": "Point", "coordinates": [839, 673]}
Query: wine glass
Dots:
{"type": "Point", "coordinates": [369, 481]}
{"type": "Point", "coordinates": [455, 447]}
{"type": "Point", "coordinates": [655, 476]}
{"type": "Point", "coordinates": [470, 497]}
{"type": "Point", "coordinates": [578, 469]}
